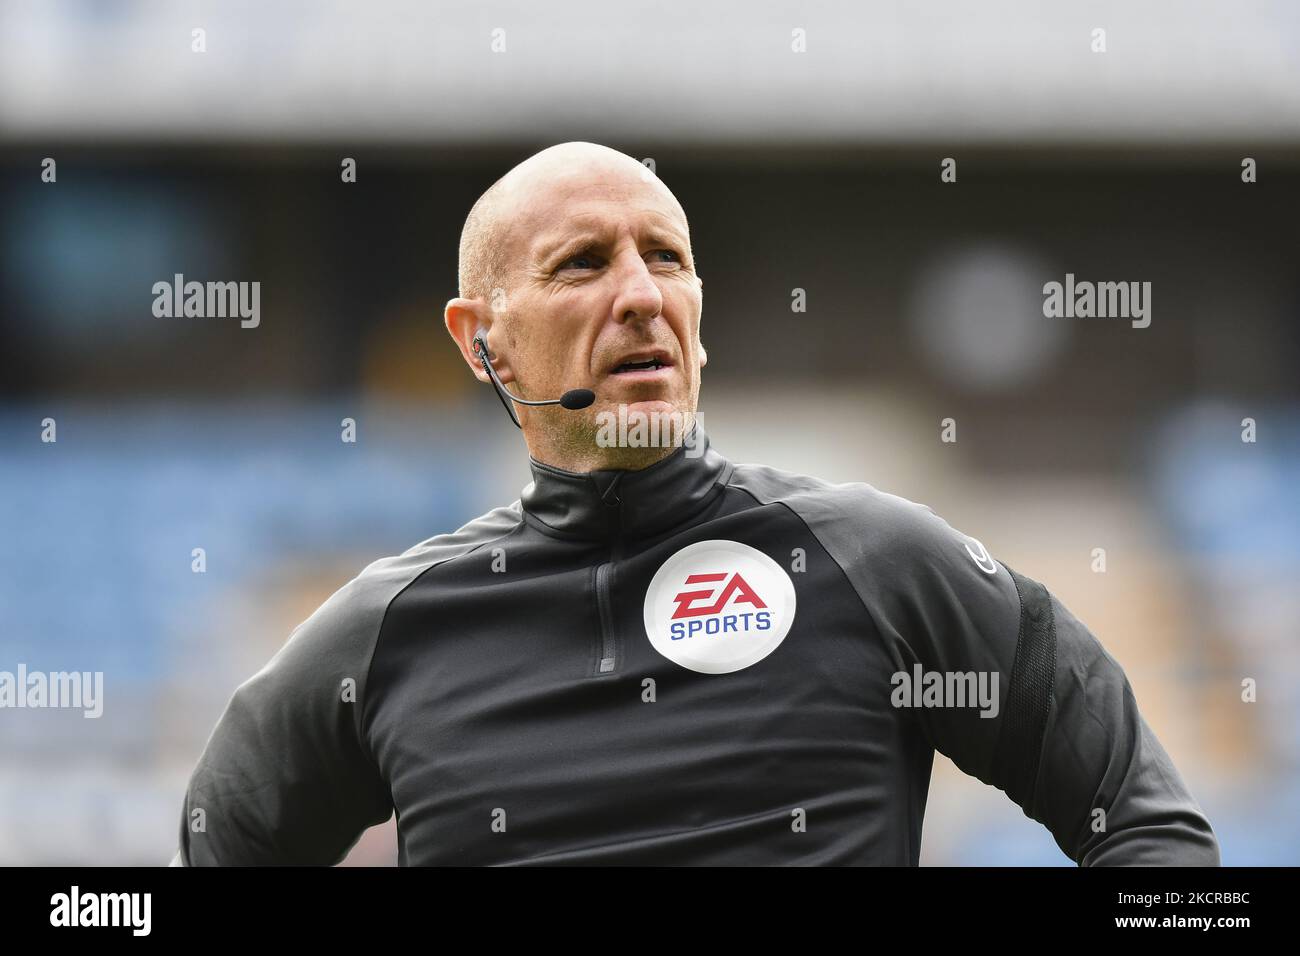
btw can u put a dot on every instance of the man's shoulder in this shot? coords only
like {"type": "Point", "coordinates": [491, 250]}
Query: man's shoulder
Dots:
{"type": "Point", "coordinates": [898, 554]}
{"type": "Point", "coordinates": [352, 615]}
{"type": "Point", "coordinates": [490, 526]}
{"type": "Point", "coordinates": [856, 513]}
{"type": "Point", "coordinates": [380, 580]}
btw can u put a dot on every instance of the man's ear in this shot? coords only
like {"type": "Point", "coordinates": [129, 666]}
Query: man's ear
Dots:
{"type": "Point", "coordinates": [466, 318]}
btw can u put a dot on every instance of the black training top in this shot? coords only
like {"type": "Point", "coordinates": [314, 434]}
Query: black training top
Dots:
{"type": "Point", "coordinates": [700, 662]}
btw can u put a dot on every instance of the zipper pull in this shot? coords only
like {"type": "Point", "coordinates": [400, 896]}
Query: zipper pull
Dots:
{"type": "Point", "coordinates": [610, 496]}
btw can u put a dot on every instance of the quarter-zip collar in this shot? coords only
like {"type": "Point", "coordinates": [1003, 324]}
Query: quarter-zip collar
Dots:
{"type": "Point", "coordinates": [619, 502]}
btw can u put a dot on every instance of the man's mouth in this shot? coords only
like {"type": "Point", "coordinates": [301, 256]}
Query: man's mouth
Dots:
{"type": "Point", "coordinates": [642, 365]}
{"type": "Point", "coordinates": [637, 366]}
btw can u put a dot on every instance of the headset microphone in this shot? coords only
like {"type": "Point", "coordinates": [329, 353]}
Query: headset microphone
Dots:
{"type": "Point", "coordinates": [574, 399]}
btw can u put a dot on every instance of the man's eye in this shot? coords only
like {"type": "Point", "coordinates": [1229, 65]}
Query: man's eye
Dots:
{"type": "Point", "coordinates": [579, 262]}
{"type": "Point", "coordinates": [668, 252]}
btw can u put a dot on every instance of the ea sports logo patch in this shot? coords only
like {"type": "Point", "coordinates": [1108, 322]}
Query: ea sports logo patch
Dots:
{"type": "Point", "coordinates": [718, 606]}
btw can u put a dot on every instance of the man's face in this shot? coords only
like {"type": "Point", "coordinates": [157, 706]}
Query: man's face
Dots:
{"type": "Point", "coordinates": [600, 273]}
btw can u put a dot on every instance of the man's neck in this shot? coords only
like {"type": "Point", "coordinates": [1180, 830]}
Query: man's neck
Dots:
{"type": "Point", "coordinates": [580, 452]}
{"type": "Point", "coordinates": [595, 458]}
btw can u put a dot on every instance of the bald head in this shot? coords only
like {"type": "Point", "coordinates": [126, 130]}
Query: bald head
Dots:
{"type": "Point", "coordinates": [576, 268]}
{"type": "Point", "coordinates": [488, 245]}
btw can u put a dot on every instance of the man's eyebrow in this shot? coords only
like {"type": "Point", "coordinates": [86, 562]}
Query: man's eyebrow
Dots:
{"type": "Point", "coordinates": [572, 244]}
{"type": "Point", "coordinates": [668, 237]}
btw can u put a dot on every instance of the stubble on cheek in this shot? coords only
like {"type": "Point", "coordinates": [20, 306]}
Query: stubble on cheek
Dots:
{"type": "Point", "coordinates": [517, 352]}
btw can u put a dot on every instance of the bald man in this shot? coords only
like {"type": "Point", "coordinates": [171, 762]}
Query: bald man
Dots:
{"type": "Point", "coordinates": [656, 655]}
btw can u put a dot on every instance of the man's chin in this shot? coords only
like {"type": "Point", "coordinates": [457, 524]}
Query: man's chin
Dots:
{"type": "Point", "coordinates": [650, 408]}
{"type": "Point", "coordinates": [652, 423]}
{"type": "Point", "coordinates": [647, 409]}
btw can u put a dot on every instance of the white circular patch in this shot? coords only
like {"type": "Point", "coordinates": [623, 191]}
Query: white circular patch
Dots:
{"type": "Point", "coordinates": [718, 606]}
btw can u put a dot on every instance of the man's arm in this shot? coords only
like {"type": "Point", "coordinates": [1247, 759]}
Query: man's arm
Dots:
{"type": "Point", "coordinates": [287, 776]}
{"type": "Point", "coordinates": [284, 778]}
{"type": "Point", "coordinates": [1097, 751]}
{"type": "Point", "coordinates": [1068, 740]}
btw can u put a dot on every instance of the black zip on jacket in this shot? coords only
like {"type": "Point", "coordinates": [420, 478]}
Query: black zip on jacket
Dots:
{"type": "Point", "coordinates": [696, 663]}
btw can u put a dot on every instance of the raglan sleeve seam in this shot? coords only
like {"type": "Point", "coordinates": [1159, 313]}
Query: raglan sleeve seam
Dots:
{"type": "Point", "coordinates": [359, 721]}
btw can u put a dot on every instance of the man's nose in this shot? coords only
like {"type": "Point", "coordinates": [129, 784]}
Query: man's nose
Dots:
{"type": "Point", "coordinates": [638, 293]}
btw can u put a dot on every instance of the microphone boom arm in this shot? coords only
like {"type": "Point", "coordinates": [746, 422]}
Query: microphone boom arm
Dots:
{"type": "Point", "coordinates": [573, 399]}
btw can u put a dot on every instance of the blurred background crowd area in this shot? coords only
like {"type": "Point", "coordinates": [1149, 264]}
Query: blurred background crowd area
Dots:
{"type": "Point", "coordinates": [816, 171]}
